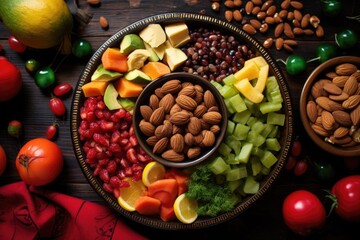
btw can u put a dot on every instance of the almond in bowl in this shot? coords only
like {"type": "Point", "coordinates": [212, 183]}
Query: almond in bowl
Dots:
{"type": "Point", "coordinates": [330, 106]}
{"type": "Point", "coordinates": [180, 119]}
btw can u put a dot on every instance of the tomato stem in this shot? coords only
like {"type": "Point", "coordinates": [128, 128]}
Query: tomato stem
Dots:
{"type": "Point", "coordinates": [334, 201]}
{"type": "Point", "coordinates": [25, 160]}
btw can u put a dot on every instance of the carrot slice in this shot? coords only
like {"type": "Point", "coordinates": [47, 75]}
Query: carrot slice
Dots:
{"type": "Point", "coordinates": [167, 213]}
{"type": "Point", "coordinates": [113, 60]}
{"type": "Point", "coordinates": [147, 205]}
{"type": "Point", "coordinates": [94, 88]}
{"type": "Point", "coordinates": [155, 69]}
{"type": "Point", "coordinates": [128, 89]}
{"type": "Point", "coordinates": [181, 178]}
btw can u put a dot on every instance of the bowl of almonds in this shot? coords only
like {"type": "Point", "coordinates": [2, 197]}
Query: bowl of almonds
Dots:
{"type": "Point", "coordinates": [180, 119]}
{"type": "Point", "coordinates": [330, 106]}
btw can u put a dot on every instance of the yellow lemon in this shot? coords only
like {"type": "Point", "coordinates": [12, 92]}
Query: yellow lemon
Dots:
{"type": "Point", "coordinates": [152, 172]}
{"type": "Point", "coordinates": [37, 23]}
{"type": "Point", "coordinates": [185, 209]}
{"type": "Point", "coordinates": [129, 195]}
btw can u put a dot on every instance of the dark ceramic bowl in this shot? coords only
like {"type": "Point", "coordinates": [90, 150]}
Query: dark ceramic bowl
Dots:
{"type": "Point", "coordinates": [193, 21]}
{"type": "Point", "coordinates": [316, 75]}
{"type": "Point", "coordinates": [143, 99]}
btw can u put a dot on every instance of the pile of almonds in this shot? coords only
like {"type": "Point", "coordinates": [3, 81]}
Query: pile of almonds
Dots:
{"type": "Point", "coordinates": [287, 20]}
{"type": "Point", "coordinates": [180, 120]}
{"type": "Point", "coordinates": [333, 108]}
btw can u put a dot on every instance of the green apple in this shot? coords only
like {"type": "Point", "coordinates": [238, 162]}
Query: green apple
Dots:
{"type": "Point", "coordinates": [137, 76]}
{"type": "Point", "coordinates": [130, 42]}
{"type": "Point", "coordinates": [111, 97]}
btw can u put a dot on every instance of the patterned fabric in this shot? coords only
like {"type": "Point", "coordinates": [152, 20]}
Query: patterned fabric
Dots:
{"type": "Point", "coordinates": [28, 212]}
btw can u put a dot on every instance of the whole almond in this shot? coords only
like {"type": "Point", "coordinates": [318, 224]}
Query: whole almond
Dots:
{"type": "Point", "coordinates": [200, 110]}
{"type": "Point", "coordinates": [237, 16]}
{"type": "Point", "coordinates": [249, 29]}
{"type": "Point", "coordinates": [147, 128]}
{"type": "Point", "coordinates": [193, 152]}
{"type": "Point", "coordinates": [340, 80]}
{"type": "Point", "coordinates": [328, 104]}
{"type": "Point", "coordinates": [229, 15]}
{"type": "Point", "coordinates": [319, 31]}
{"type": "Point", "coordinates": [285, 4]}
{"type": "Point", "coordinates": [290, 42]}
{"type": "Point", "coordinates": [269, 20]}
{"type": "Point", "coordinates": [356, 75]}
{"type": "Point", "coordinates": [255, 10]}
{"type": "Point", "coordinates": [352, 102]}
{"type": "Point", "coordinates": [186, 102]}
{"type": "Point", "coordinates": [215, 129]}
{"type": "Point", "coordinates": [341, 132]}
{"type": "Point", "coordinates": [311, 111]}
{"type": "Point", "coordinates": [157, 117]}
{"type": "Point", "coordinates": [308, 32]}
{"type": "Point", "coordinates": [298, 31]}
{"type": "Point", "coordinates": [331, 88]}
{"type": "Point", "coordinates": [288, 48]}
{"type": "Point", "coordinates": [288, 31]}
{"type": "Point", "coordinates": [173, 156]}
{"type": "Point", "coordinates": [188, 91]}
{"type": "Point", "coordinates": [355, 116]}
{"type": "Point", "coordinates": [175, 108]}
{"type": "Point", "coordinates": [257, 2]}
{"type": "Point", "coordinates": [208, 139]}
{"type": "Point", "coordinates": [279, 29]}
{"type": "Point", "coordinates": [297, 5]}
{"type": "Point", "coordinates": [298, 15]}
{"type": "Point", "coordinates": [319, 130]}
{"type": "Point", "coordinates": [271, 10]}
{"type": "Point", "coordinates": [161, 145]}
{"type": "Point", "coordinates": [163, 131]}
{"type": "Point", "coordinates": [261, 15]}
{"type": "Point", "coordinates": [331, 74]}
{"type": "Point", "coordinates": [146, 112]}
{"type": "Point", "coordinates": [255, 23]}
{"type": "Point", "coordinates": [296, 23]}
{"type": "Point", "coordinates": [180, 118]}
{"type": "Point", "coordinates": [290, 16]}
{"type": "Point", "coordinates": [104, 24]}
{"type": "Point", "coordinates": [266, 5]}
{"type": "Point", "coordinates": [167, 102]}
{"type": "Point", "coordinates": [229, 4]}
{"type": "Point", "coordinates": [268, 42]}
{"type": "Point", "coordinates": [151, 141]}
{"type": "Point", "coordinates": [305, 21]}
{"type": "Point", "coordinates": [172, 86]}
{"type": "Point", "coordinates": [209, 99]}
{"type": "Point", "coordinates": [177, 143]}
{"type": "Point", "coordinates": [342, 97]}
{"type": "Point", "coordinates": [264, 28]}
{"type": "Point", "coordinates": [279, 42]}
{"type": "Point", "coordinates": [327, 120]}
{"type": "Point", "coordinates": [345, 69]}
{"type": "Point", "coordinates": [212, 117]}
{"type": "Point", "coordinates": [249, 7]}
{"type": "Point", "coordinates": [194, 126]}
{"type": "Point", "coordinates": [158, 93]}
{"type": "Point", "coordinates": [343, 118]}
{"type": "Point", "coordinates": [350, 86]}
{"type": "Point", "coordinates": [237, 3]}
{"type": "Point", "coordinates": [189, 139]}
{"type": "Point", "coordinates": [154, 101]}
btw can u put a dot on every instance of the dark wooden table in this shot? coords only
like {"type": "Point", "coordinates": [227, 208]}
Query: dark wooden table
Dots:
{"type": "Point", "coordinates": [263, 220]}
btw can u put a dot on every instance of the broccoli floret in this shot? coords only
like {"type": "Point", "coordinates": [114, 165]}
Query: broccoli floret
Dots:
{"type": "Point", "coordinates": [212, 198]}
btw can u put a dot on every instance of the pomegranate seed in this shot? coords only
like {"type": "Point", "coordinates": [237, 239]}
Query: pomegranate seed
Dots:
{"type": "Point", "coordinates": [124, 184]}
{"type": "Point", "coordinates": [131, 155]}
{"type": "Point", "coordinates": [114, 147]}
{"type": "Point", "coordinates": [127, 147]}
{"type": "Point", "coordinates": [104, 175]}
{"type": "Point", "coordinates": [116, 193]}
{"type": "Point", "coordinates": [114, 182]}
{"type": "Point", "coordinates": [111, 167]}
{"type": "Point", "coordinates": [133, 140]}
{"type": "Point", "coordinates": [124, 163]}
{"type": "Point", "coordinates": [121, 174]}
{"type": "Point", "coordinates": [128, 171]}
{"type": "Point", "coordinates": [107, 187]}
{"type": "Point", "coordinates": [101, 139]}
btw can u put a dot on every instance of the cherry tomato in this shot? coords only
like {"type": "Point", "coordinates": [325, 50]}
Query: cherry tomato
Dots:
{"type": "Point", "coordinates": [15, 128]}
{"type": "Point", "coordinates": [296, 148]}
{"type": "Point", "coordinates": [300, 167]}
{"type": "Point", "coordinates": [346, 39]}
{"type": "Point", "coordinates": [81, 48]}
{"type": "Point", "coordinates": [2, 160]}
{"type": "Point", "coordinates": [39, 162]}
{"type": "Point", "coordinates": [346, 196]}
{"type": "Point", "coordinates": [57, 106]}
{"type": "Point", "coordinates": [44, 77]}
{"type": "Point", "coordinates": [62, 89]}
{"type": "Point", "coordinates": [332, 8]}
{"type": "Point", "coordinates": [295, 64]}
{"type": "Point", "coordinates": [10, 80]}
{"type": "Point", "coordinates": [303, 212]}
{"type": "Point", "coordinates": [325, 51]}
{"type": "Point", "coordinates": [16, 45]}
{"type": "Point", "coordinates": [51, 131]}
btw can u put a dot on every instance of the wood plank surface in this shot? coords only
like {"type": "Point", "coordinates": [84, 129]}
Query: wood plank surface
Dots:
{"type": "Point", "coordinates": [263, 220]}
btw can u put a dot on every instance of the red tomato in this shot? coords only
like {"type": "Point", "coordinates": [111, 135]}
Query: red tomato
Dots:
{"type": "Point", "coordinates": [16, 45]}
{"type": "Point", "coordinates": [10, 80]}
{"type": "Point", "coordinates": [303, 212]}
{"type": "Point", "coordinates": [346, 193]}
{"type": "Point", "coordinates": [39, 162]}
{"type": "Point", "coordinates": [57, 106]}
{"type": "Point", "coordinates": [2, 160]}
{"type": "Point", "coordinates": [62, 89]}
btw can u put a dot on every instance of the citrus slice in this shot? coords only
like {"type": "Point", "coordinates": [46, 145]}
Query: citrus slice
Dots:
{"type": "Point", "coordinates": [185, 209]}
{"type": "Point", "coordinates": [129, 195]}
{"type": "Point", "coordinates": [152, 172]}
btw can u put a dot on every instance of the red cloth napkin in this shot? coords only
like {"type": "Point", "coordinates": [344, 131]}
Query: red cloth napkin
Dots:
{"type": "Point", "coordinates": [28, 212]}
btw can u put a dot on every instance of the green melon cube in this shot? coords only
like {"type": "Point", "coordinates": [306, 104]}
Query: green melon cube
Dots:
{"type": "Point", "coordinates": [245, 152]}
{"type": "Point", "coordinates": [241, 117]}
{"type": "Point", "coordinates": [224, 149]}
{"type": "Point", "coordinates": [276, 118]}
{"type": "Point", "coordinates": [272, 144]}
{"type": "Point", "coordinates": [251, 186]}
{"type": "Point", "coordinates": [228, 91]}
{"type": "Point", "coordinates": [230, 127]}
{"type": "Point", "coordinates": [256, 165]}
{"type": "Point", "coordinates": [236, 173]}
{"type": "Point", "coordinates": [230, 80]}
{"type": "Point", "coordinates": [241, 131]}
{"type": "Point", "coordinates": [238, 103]}
{"type": "Point", "coordinates": [218, 166]}
{"type": "Point", "coordinates": [217, 85]}
{"type": "Point", "coordinates": [268, 159]}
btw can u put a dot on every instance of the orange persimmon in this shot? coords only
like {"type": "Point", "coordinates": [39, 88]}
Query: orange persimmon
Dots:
{"type": "Point", "coordinates": [147, 205]}
{"type": "Point", "coordinates": [127, 89]}
{"type": "Point", "coordinates": [94, 88]}
{"type": "Point", "coordinates": [155, 69]}
{"type": "Point", "coordinates": [113, 60]}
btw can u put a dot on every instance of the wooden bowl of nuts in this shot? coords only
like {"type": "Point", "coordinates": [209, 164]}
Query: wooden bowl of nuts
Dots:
{"type": "Point", "coordinates": [180, 119]}
{"type": "Point", "coordinates": [330, 106]}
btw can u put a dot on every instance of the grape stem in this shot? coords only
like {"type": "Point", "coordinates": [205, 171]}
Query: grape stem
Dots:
{"type": "Point", "coordinates": [357, 18]}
